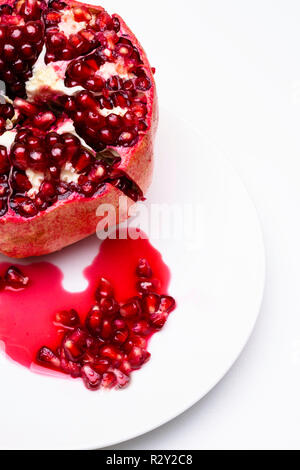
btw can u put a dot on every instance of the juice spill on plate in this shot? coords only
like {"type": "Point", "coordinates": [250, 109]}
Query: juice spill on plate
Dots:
{"type": "Point", "coordinates": [26, 316]}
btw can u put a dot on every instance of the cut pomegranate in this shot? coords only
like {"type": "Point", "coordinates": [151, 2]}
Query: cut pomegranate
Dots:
{"type": "Point", "coordinates": [77, 126]}
{"type": "Point", "coordinates": [111, 341]}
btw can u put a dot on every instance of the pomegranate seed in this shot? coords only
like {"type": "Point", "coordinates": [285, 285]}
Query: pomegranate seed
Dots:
{"type": "Point", "coordinates": [116, 24]}
{"type": "Point", "coordinates": [114, 121]}
{"type": "Point", "coordinates": [127, 138]}
{"type": "Point", "coordinates": [105, 103]}
{"type": "Point", "coordinates": [24, 107]}
{"type": "Point", "coordinates": [15, 279]}
{"type": "Point", "coordinates": [97, 174]}
{"type": "Point", "coordinates": [6, 10]}
{"type": "Point", "coordinates": [167, 304]}
{"type": "Point", "coordinates": [4, 162]}
{"type": "Point", "coordinates": [130, 119]}
{"type": "Point", "coordinates": [54, 172]}
{"type": "Point", "coordinates": [84, 161]}
{"type": "Point", "coordinates": [68, 318]}
{"type": "Point", "coordinates": [122, 379]}
{"type": "Point", "coordinates": [69, 104]}
{"type": "Point", "coordinates": [146, 286]}
{"type": "Point", "coordinates": [56, 41]}
{"type": "Point", "coordinates": [88, 188]}
{"type": "Point", "coordinates": [143, 83]}
{"type": "Point", "coordinates": [106, 330]}
{"type": "Point", "coordinates": [151, 303]}
{"type": "Point", "coordinates": [125, 50]}
{"type": "Point", "coordinates": [33, 31]}
{"type": "Point", "coordinates": [132, 309]}
{"type": "Point", "coordinates": [45, 355]}
{"type": "Point", "coordinates": [140, 110]}
{"type": "Point", "coordinates": [7, 111]}
{"type": "Point", "coordinates": [27, 208]}
{"type": "Point", "coordinates": [101, 365]}
{"type": "Point", "coordinates": [95, 120]}
{"type": "Point", "coordinates": [2, 124]}
{"type": "Point", "coordinates": [75, 345]}
{"type": "Point", "coordinates": [121, 99]}
{"type": "Point", "coordinates": [9, 52]}
{"type": "Point", "coordinates": [85, 100]}
{"type": "Point", "coordinates": [119, 323]}
{"type": "Point", "coordinates": [69, 367]}
{"type": "Point", "coordinates": [113, 354]}
{"type": "Point", "coordinates": [20, 156]}
{"type": "Point", "coordinates": [139, 341]}
{"type": "Point", "coordinates": [158, 320]}
{"type": "Point", "coordinates": [44, 120]}
{"type": "Point", "coordinates": [142, 126]}
{"type": "Point", "coordinates": [91, 378]}
{"type": "Point", "coordinates": [103, 21]}
{"type": "Point", "coordinates": [34, 143]}
{"type": "Point", "coordinates": [143, 269]}
{"type": "Point", "coordinates": [70, 139]}
{"type": "Point", "coordinates": [52, 138]}
{"type": "Point", "coordinates": [137, 357]}
{"type": "Point", "coordinates": [114, 83]}
{"type": "Point", "coordinates": [4, 189]}
{"type": "Point", "coordinates": [109, 380]}
{"type": "Point", "coordinates": [108, 306]}
{"type": "Point", "coordinates": [127, 347]}
{"type": "Point", "coordinates": [106, 135]}
{"type": "Point", "coordinates": [58, 154]}
{"type": "Point", "coordinates": [141, 328]}
{"type": "Point", "coordinates": [79, 71]}
{"type": "Point", "coordinates": [104, 289]}
{"type": "Point", "coordinates": [95, 84]}
{"type": "Point", "coordinates": [94, 320]}
{"type": "Point", "coordinates": [125, 367]}
{"type": "Point", "coordinates": [47, 189]}
{"type": "Point", "coordinates": [37, 160]}
{"type": "Point", "coordinates": [22, 136]}
{"type": "Point", "coordinates": [121, 336]}
{"type": "Point", "coordinates": [27, 51]}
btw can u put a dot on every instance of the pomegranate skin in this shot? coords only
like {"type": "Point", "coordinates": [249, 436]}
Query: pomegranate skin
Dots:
{"type": "Point", "coordinates": [73, 219]}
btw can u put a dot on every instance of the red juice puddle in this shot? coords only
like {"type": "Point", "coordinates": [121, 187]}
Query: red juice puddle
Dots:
{"type": "Point", "coordinates": [26, 316]}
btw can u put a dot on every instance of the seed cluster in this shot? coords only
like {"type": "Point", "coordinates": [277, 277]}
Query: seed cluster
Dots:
{"type": "Point", "coordinates": [112, 341]}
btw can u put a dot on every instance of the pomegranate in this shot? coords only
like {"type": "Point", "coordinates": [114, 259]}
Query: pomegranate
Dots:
{"type": "Point", "coordinates": [77, 125]}
{"type": "Point", "coordinates": [108, 344]}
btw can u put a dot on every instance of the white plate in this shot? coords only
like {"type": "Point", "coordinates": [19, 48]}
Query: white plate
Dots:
{"type": "Point", "coordinates": [218, 282]}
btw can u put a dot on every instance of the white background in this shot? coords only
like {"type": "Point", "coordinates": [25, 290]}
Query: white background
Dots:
{"type": "Point", "coordinates": [232, 68]}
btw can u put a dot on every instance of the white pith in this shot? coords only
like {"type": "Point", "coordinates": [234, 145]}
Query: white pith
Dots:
{"type": "Point", "coordinates": [48, 80]}
{"type": "Point", "coordinates": [68, 25]}
{"type": "Point", "coordinates": [111, 69]}
{"type": "Point", "coordinates": [36, 178]}
{"type": "Point", "coordinates": [68, 174]}
{"type": "Point", "coordinates": [119, 111]}
{"type": "Point", "coordinates": [7, 139]}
